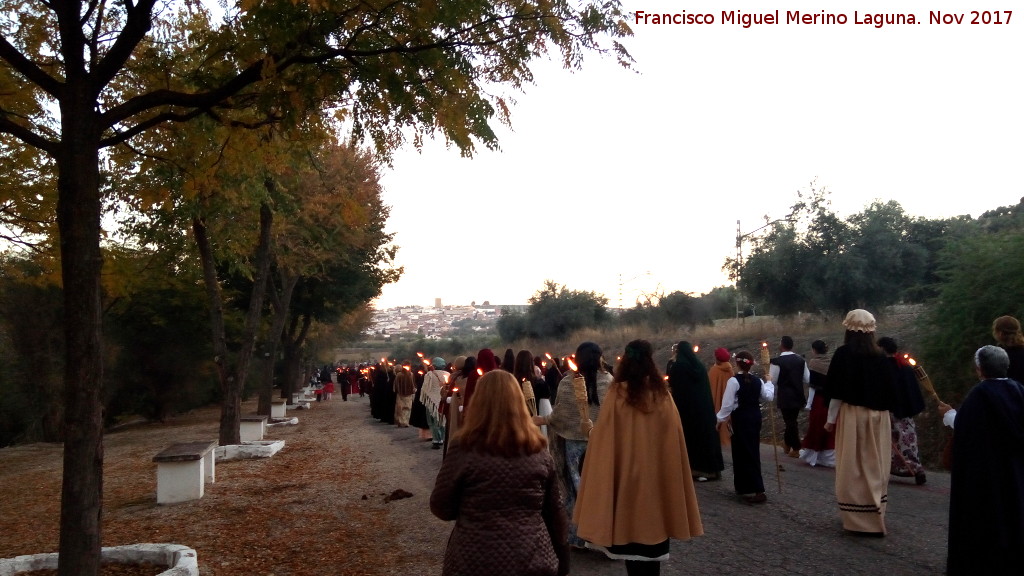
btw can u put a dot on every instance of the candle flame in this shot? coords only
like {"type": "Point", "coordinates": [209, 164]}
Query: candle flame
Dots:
{"type": "Point", "coordinates": [665, 377]}
{"type": "Point", "coordinates": [696, 349]}
{"type": "Point", "coordinates": [420, 372]}
{"type": "Point", "coordinates": [455, 390]}
{"type": "Point", "coordinates": [572, 365]}
{"type": "Point", "coordinates": [764, 344]}
{"type": "Point", "coordinates": [420, 354]}
{"type": "Point", "coordinates": [408, 369]}
{"type": "Point", "coordinates": [480, 371]}
{"type": "Point", "coordinates": [912, 361]}
{"type": "Point", "coordinates": [445, 378]}
{"type": "Point", "coordinates": [548, 355]}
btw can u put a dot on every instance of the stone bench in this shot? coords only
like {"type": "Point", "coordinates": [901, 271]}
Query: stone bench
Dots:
{"type": "Point", "coordinates": [182, 471]}
{"type": "Point", "coordinates": [252, 428]}
{"type": "Point", "coordinates": [278, 408]}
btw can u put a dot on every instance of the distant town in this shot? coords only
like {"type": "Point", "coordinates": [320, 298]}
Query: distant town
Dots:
{"type": "Point", "coordinates": [437, 321]}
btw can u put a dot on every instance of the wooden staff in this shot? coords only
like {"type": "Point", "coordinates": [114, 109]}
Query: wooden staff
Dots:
{"type": "Point", "coordinates": [531, 399]}
{"type": "Point", "coordinates": [766, 362]}
{"type": "Point", "coordinates": [555, 364]}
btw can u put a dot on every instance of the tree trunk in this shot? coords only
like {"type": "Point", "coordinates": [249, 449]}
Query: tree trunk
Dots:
{"type": "Point", "coordinates": [78, 219]}
{"type": "Point", "coordinates": [213, 296]}
{"type": "Point", "coordinates": [232, 375]}
{"type": "Point", "coordinates": [293, 354]}
{"type": "Point", "coordinates": [282, 305]}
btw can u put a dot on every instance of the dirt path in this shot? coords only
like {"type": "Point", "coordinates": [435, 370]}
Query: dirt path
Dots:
{"type": "Point", "coordinates": [318, 507]}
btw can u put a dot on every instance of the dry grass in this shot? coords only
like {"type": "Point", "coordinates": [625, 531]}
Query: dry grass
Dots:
{"type": "Point", "coordinates": [898, 322]}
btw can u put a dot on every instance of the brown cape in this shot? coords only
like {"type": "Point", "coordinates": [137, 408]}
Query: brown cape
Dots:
{"type": "Point", "coordinates": [719, 375]}
{"type": "Point", "coordinates": [636, 485]}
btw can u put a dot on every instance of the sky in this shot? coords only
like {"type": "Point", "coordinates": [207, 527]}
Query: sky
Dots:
{"type": "Point", "coordinates": [630, 182]}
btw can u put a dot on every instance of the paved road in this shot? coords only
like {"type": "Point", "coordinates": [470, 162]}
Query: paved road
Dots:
{"type": "Point", "coordinates": [796, 532]}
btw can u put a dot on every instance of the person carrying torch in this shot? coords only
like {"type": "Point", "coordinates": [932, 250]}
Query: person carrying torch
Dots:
{"type": "Point", "coordinates": [576, 408]}
{"type": "Point", "coordinates": [434, 383]}
{"type": "Point", "coordinates": [535, 390]}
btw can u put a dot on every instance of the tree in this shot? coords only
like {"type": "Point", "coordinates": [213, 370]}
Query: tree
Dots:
{"type": "Point", "coordinates": [982, 277]}
{"type": "Point", "coordinates": [159, 352]}
{"type": "Point", "coordinates": [511, 325]}
{"type": "Point", "coordinates": [555, 311]}
{"type": "Point", "coordinates": [81, 76]}
{"type": "Point", "coordinates": [30, 331]}
{"type": "Point", "coordinates": [774, 270]}
{"type": "Point", "coordinates": [815, 260]}
{"type": "Point", "coordinates": [882, 264]}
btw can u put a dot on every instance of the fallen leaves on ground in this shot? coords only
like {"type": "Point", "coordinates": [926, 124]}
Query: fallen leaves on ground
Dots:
{"type": "Point", "coordinates": [299, 513]}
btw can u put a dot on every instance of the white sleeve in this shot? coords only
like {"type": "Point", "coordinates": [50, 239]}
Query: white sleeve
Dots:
{"type": "Point", "coordinates": [807, 373]}
{"type": "Point", "coordinates": [949, 418]}
{"type": "Point", "coordinates": [833, 410]}
{"type": "Point", "coordinates": [810, 399]}
{"type": "Point", "coordinates": [773, 372]}
{"type": "Point", "coordinates": [767, 391]}
{"type": "Point", "coordinates": [728, 399]}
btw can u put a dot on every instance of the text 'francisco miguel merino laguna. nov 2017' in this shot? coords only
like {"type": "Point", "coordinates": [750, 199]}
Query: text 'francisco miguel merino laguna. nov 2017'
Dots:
{"type": "Point", "coordinates": [876, 20]}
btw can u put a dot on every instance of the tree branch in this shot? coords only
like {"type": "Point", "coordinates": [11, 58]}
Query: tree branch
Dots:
{"type": "Point", "coordinates": [254, 73]}
{"type": "Point", "coordinates": [120, 137]}
{"type": "Point", "coordinates": [28, 69]}
{"type": "Point", "coordinates": [136, 26]}
{"type": "Point", "coordinates": [26, 135]}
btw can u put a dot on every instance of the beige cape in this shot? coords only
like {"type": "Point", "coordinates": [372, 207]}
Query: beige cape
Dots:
{"type": "Point", "coordinates": [636, 484]}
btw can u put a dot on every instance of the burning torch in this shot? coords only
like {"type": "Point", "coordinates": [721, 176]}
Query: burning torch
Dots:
{"type": "Point", "coordinates": [579, 389]}
{"type": "Point", "coordinates": [923, 378]}
{"type": "Point", "coordinates": [531, 399]}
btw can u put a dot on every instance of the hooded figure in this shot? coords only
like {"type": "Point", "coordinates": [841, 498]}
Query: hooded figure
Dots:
{"type": "Point", "coordinates": [691, 391]}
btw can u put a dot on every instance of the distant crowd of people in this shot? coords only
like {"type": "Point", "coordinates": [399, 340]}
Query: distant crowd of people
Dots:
{"type": "Point", "coordinates": [578, 452]}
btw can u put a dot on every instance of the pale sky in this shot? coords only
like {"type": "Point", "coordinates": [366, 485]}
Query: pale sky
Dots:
{"type": "Point", "coordinates": [633, 180]}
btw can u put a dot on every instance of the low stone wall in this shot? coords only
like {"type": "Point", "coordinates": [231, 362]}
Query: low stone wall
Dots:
{"type": "Point", "coordinates": [180, 560]}
{"type": "Point", "coordinates": [247, 450]}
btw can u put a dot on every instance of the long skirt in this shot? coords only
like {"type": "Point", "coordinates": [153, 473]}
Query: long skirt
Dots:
{"type": "Point", "coordinates": [863, 455]}
{"type": "Point", "coordinates": [635, 551]}
{"type": "Point", "coordinates": [746, 451]}
{"type": "Point", "coordinates": [543, 409]}
{"type": "Point", "coordinates": [819, 445]}
{"type": "Point", "coordinates": [403, 408]}
{"type": "Point", "coordinates": [436, 428]}
{"type": "Point", "coordinates": [418, 415]}
{"type": "Point", "coordinates": [905, 461]}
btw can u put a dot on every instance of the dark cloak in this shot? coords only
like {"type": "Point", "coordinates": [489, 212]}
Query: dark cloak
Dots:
{"type": "Point", "coordinates": [986, 500]}
{"type": "Point", "coordinates": [691, 391]}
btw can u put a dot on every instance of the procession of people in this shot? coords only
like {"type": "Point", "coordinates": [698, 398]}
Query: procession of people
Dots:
{"type": "Point", "coordinates": [605, 457]}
